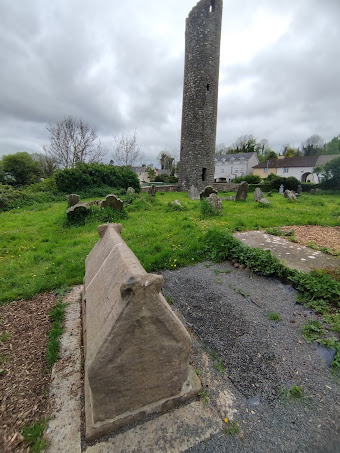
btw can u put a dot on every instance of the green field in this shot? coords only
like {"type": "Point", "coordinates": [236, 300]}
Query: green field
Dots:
{"type": "Point", "coordinates": [39, 251]}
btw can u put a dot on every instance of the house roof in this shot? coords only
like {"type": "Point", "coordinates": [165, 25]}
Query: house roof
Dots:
{"type": "Point", "coordinates": [236, 156]}
{"type": "Point", "coordinates": [298, 161]}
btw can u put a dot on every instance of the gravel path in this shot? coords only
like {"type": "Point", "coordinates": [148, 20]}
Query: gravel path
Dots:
{"type": "Point", "coordinates": [226, 310]}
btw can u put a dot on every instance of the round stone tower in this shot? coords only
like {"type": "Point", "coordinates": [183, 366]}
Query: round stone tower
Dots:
{"type": "Point", "coordinates": [200, 94]}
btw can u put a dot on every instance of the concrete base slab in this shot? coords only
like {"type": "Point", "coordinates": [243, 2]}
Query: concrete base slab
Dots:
{"type": "Point", "coordinates": [189, 390]}
{"type": "Point", "coordinates": [292, 255]}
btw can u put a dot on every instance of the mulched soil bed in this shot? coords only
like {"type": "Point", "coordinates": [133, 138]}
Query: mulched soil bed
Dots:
{"type": "Point", "coordinates": [321, 236]}
{"type": "Point", "coordinates": [25, 378]}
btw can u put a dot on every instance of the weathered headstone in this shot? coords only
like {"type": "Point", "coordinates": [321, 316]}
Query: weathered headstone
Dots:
{"type": "Point", "coordinates": [176, 203]}
{"type": "Point", "coordinates": [258, 194]}
{"type": "Point", "coordinates": [130, 190]}
{"type": "Point", "coordinates": [215, 202]}
{"type": "Point", "coordinates": [72, 199]}
{"type": "Point", "coordinates": [269, 194]}
{"type": "Point", "coordinates": [264, 201]}
{"type": "Point", "coordinates": [292, 196]}
{"type": "Point", "coordinates": [136, 349]}
{"type": "Point", "coordinates": [113, 202]}
{"type": "Point", "coordinates": [76, 211]}
{"type": "Point", "coordinates": [193, 193]}
{"type": "Point", "coordinates": [152, 190]}
{"type": "Point", "coordinates": [312, 191]}
{"type": "Point", "coordinates": [285, 193]}
{"type": "Point", "coordinates": [208, 190]}
{"type": "Point", "coordinates": [281, 189]}
{"type": "Point", "coordinates": [299, 189]}
{"type": "Point", "coordinates": [242, 191]}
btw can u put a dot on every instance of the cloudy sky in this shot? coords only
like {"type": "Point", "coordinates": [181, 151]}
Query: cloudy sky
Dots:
{"type": "Point", "coordinates": [118, 65]}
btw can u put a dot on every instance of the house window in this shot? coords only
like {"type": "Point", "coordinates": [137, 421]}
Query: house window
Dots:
{"type": "Point", "coordinates": [285, 169]}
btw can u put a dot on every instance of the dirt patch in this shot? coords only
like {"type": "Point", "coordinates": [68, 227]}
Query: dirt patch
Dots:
{"type": "Point", "coordinates": [24, 380]}
{"type": "Point", "coordinates": [321, 236]}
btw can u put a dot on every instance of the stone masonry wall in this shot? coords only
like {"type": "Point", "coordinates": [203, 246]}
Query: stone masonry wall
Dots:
{"type": "Point", "coordinates": [200, 94]}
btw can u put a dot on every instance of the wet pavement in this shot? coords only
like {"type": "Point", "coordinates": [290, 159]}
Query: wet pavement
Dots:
{"type": "Point", "coordinates": [293, 255]}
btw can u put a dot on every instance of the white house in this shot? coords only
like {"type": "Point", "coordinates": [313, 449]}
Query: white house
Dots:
{"type": "Point", "coordinates": [142, 174]}
{"type": "Point", "coordinates": [231, 166]}
{"type": "Point", "coordinates": [301, 167]}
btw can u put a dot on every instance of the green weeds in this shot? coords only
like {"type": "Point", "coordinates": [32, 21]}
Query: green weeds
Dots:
{"type": "Point", "coordinates": [204, 395]}
{"type": "Point", "coordinates": [57, 314]}
{"type": "Point", "coordinates": [33, 435]}
{"type": "Point", "coordinates": [294, 392]}
{"type": "Point", "coordinates": [274, 316]}
{"type": "Point", "coordinates": [232, 428]}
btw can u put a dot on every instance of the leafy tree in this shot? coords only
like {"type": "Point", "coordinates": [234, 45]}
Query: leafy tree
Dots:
{"type": "Point", "coordinates": [244, 144]}
{"type": "Point", "coordinates": [126, 149]}
{"type": "Point", "coordinates": [151, 173]}
{"type": "Point", "coordinates": [48, 164]}
{"type": "Point", "coordinates": [71, 142]}
{"type": "Point", "coordinates": [313, 146]}
{"type": "Point", "coordinates": [333, 147]}
{"type": "Point", "coordinates": [290, 183]}
{"type": "Point", "coordinates": [20, 169]}
{"type": "Point", "coordinates": [167, 162]}
{"type": "Point", "coordinates": [331, 174]}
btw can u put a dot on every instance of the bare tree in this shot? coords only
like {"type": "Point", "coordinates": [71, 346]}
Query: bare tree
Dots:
{"type": "Point", "coordinates": [126, 150]}
{"type": "Point", "coordinates": [73, 141]}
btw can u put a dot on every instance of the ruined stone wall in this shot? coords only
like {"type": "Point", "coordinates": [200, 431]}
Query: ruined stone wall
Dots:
{"type": "Point", "coordinates": [200, 94]}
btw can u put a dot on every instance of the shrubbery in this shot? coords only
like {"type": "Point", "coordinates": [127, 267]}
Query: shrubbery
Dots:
{"type": "Point", "coordinates": [251, 179]}
{"type": "Point", "coordinates": [290, 183]}
{"type": "Point", "coordinates": [165, 178]}
{"type": "Point", "coordinates": [87, 176]}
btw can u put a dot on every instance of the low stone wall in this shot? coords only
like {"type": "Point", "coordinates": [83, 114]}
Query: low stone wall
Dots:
{"type": "Point", "coordinates": [225, 186]}
{"type": "Point", "coordinates": [174, 188]}
{"type": "Point", "coordinates": [136, 349]}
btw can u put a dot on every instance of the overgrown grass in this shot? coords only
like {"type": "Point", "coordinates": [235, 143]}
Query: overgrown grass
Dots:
{"type": "Point", "coordinates": [33, 435]}
{"type": "Point", "coordinates": [57, 315]}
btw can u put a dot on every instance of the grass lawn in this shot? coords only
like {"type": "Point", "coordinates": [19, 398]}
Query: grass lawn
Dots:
{"type": "Point", "coordinates": [39, 251]}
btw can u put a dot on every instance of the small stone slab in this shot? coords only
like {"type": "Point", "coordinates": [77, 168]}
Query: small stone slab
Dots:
{"type": "Point", "coordinates": [264, 201]}
{"type": "Point", "coordinates": [258, 194]}
{"type": "Point", "coordinates": [77, 210]}
{"type": "Point", "coordinates": [193, 193]}
{"type": "Point", "coordinates": [113, 202]}
{"type": "Point", "coordinates": [242, 191]}
{"type": "Point", "coordinates": [215, 202]}
{"type": "Point", "coordinates": [208, 190]}
{"type": "Point", "coordinates": [152, 190]}
{"type": "Point", "coordinates": [72, 199]}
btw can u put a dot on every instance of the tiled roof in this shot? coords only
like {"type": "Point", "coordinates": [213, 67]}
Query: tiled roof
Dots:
{"type": "Point", "coordinates": [236, 156]}
{"type": "Point", "coordinates": [299, 161]}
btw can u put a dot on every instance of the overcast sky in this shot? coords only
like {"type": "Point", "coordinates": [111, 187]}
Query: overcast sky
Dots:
{"type": "Point", "coordinates": [118, 65]}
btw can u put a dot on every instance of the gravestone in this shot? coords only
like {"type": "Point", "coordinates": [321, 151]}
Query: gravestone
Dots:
{"type": "Point", "coordinates": [113, 202]}
{"type": "Point", "coordinates": [299, 189]}
{"type": "Point", "coordinates": [215, 202]}
{"type": "Point", "coordinates": [130, 190]}
{"type": "Point", "coordinates": [208, 190]}
{"type": "Point", "coordinates": [292, 196]}
{"type": "Point", "coordinates": [281, 189]}
{"type": "Point", "coordinates": [176, 203]}
{"type": "Point", "coordinates": [152, 190]}
{"type": "Point", "coordinates": [258, 194]}
{"type": "Point", "coordinates": [72, 199]}
{"type": "Point", "coordinates": [312, 191]}
{"type": "Point", "coordinates": [269, 194]}
{"type": "Point", "coordinates": [242, 191]}
{"type": "Point", "coordinates": [136, 349]}
{"type": "Point", "coordinates": [264, 201]}
{"type": "Point", "coordinates": [76, 211]}
{"type": "Point", "coordinates": [193, 193]}
{"type": "Point", "coordinates": [285, 193]}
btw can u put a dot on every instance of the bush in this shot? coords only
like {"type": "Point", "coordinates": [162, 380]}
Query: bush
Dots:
{"type": "Point", "coordinates": [290, 183]}
{"type": "Point", "coordinates": [89, 176]}
{"type": "Point", "coordinates": [251, 179]}
{"type": "Point", "coordinates": [165, 178]}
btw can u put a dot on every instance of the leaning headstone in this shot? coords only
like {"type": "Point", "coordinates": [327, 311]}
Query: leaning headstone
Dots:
{"type": "Point", "coordinates": [299, 189]}
{"type": "Point", "coordinates": [242, 191]}
{"type": "Point", "coordinates": [72, 199]}
{"type": "Point", "coordinates": [264, 201]}
{"type": "Point", "coordinates": [292, 196]}
{"type": "Point", "coordinates": [193, 193]}
{"type": "Point", "coordinates": [152, 190]}
{"type": "Point", "coordinates": [208, 190]}
{"type": "Point", "coordinates": [258, 194]}
{"type": "Point", "coordinates": [269, 194]}
{"type": "Point", "coordinates": [285, 193]}
{"type": "Point", "coordinates": [113, 202]}
{"type": "Point", "coordinates": [130, 190]}
{"type": "Point", "coordinates": [281, 189]}
{"type": "Point", "coordinates": [215, 202]}
{"type": "Point", "coordinates": [136, 349]}
{"type": "Point", "coordinates": [76, 211]}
